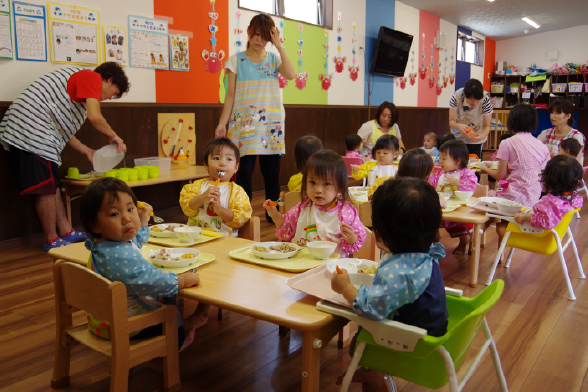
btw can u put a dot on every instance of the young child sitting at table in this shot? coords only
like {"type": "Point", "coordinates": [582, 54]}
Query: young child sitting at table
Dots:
{"type": "Point", "coordinates": [418, 164]}
{"type": "Point", "coordinates": [322, 215]}
{"type": "Point", "coordinates": [502, 184]}
{"type": "Point", "coordinates": [561, 178]}
{"type": "Point", "coordinates": [216, 202]}
{"type": "Point", "coordinates": [455, 176]}
{"type": "Point", "coordinates": [570, 147]}
{"type": "Point", "coordinates": [408, 286]}
{"type": "Point", "coordinates": [304, 148]}
{"type": "Point", "coordinates": [117, 231]}
{"type": "Point", "coordinates": [442, 138]}
{"type": "Point", "coordinates": [430, 146]}
{"type": "Point", "coordinates": [354, 144]}
{"type": "Point", "coordinates": [384, 152]}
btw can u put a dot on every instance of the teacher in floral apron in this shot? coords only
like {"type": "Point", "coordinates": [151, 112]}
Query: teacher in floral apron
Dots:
{"type": "Point", "coordinates": [470, 107]}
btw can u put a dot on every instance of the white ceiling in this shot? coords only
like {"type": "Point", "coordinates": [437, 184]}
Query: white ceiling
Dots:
{"type": "Point", "coordinates": [501, 19]}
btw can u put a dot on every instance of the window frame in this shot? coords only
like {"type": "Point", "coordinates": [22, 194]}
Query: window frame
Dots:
{"type": "Point", "coordinates": [326, 15]}
{"type": "Point", "coordinates": [462, 39]}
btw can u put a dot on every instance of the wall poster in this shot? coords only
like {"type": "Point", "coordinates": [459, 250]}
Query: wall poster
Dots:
{"type": "Point", "coordinates": [179, 53]}
{"type": "Point", "coordinates": [5, 30]}
{"type": "Point", "coordinates": [114, 39]}
{"type": "Point", "coordinates": [30, 39]}
{"type": "Point", "coordinates": [148, 43]}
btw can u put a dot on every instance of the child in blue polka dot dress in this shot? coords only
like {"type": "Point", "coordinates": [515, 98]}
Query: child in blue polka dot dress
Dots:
{"type": "Point", "coordinates": [117, 231]}
{"type": "Point", "coordinates": [408, 286]}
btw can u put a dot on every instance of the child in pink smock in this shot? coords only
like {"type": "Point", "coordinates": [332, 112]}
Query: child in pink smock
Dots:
{"type": "Point", "coordinates": [561, 178]}
{"type": "Point", "coordinates": [455, 176]}
{"type": "Point", "coordinates": [354, 144]}
{"type": "Point", "coordinates": [321, 215]}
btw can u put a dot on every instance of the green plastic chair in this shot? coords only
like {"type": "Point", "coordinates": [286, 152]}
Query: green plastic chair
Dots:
{"type": "Point", "coordinates": [407, 352]}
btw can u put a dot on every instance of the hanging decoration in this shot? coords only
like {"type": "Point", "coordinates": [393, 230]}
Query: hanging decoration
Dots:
{"type": "Point", "coordinates": [213, 60]}
{"type": "Point", "coordinates": [451, 73]}
{"type": "Point", "coordinates": [445, 77]}
{"type": "Point", "coordinates": [422, 68]}
{"type": "Point", "coordinates": [326, 77]}
{"type": "Point", "coordinates": [432, 65]}
{"type": "Point", "coordinates": [339, 61]}
{"type": "Point", "coordinates": [283, 82]}
{"type": "Point", "coordinates": [238, 32]}
{"type": "Point", "coordinates": [353, 69]}
{"type": "Point", "coordinates": [439, 88]}
{"type": "Point", "coordinates": [302, 76]}
{"type": "Point", "coordinates": [412, 75]}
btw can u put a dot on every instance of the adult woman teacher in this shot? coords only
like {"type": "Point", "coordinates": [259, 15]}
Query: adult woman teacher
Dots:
{"type": "Point", "coordinates": [254, 105]}
{"type": "Point", "coordinates": [470, 107]}
{"type": "Point", "coordinates": [560, 114]}
{"type": "Point", "coordinates": [384, 123]}
{"type": "Point", "coordinates": [42, 120]}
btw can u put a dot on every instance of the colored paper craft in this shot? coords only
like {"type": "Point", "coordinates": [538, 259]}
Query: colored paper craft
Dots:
{"type": "Point", "coordinates": [353, 69]}
{"type": "Point", "coordinates": [213, 60]}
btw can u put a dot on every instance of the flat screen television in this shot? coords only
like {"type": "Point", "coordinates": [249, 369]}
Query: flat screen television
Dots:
{"type": "Point", "coordinates": [392, 52]}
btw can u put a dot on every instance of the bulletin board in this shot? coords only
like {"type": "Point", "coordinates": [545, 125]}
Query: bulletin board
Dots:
{"type": "Point", "coordinates": [176, 129]}
{"type": "Point", "coordinates": [29, 31]}
{"type": "Point", "coordinates": [5, 30]}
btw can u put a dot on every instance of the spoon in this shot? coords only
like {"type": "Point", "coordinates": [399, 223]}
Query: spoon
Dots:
{"type": "Point", "coordinates": [156, 219]}
{"type": "Point", "coordinates": [280, 202]}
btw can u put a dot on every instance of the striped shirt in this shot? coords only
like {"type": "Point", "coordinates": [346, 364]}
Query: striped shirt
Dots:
{"type": "Point", "coordinates": [472, 117]}
{"type": "Point", "coordinates": [43, 118]}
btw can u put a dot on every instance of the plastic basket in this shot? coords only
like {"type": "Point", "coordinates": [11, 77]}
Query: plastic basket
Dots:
{"type": "Point", "coordinates": [497, 88]}
{"type": "Point", "coordinates": [514, 90]}
{"type": "Point", "coordinates": [559, 87]}
{"type": "Point", "coordinates": [162, 162]}
{"type": "Point", "coordinates": [575, 87]}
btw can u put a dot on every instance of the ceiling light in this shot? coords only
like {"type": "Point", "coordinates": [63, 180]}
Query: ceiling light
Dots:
{"type": "Point", "coordinates": [492, 1]}
{"type": "Point", "coordinates": [531, 22]}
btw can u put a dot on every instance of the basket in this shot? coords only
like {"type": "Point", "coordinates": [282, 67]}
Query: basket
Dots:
{"type": "Point", "coordinates": [497, 88]}
{"type": "Point", "coordinates": [162, 162]}
{"type": "Point", "coordinates": [575, 87]}
{"type": "Point", "coordinates": [514, 90]}
{"type": "Point", "coordinates": [559, 87]}
{"type": "Point", "coordinates": [496, 102]}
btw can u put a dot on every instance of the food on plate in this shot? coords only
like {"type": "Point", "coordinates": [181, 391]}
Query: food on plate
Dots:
{"type": "Point", "coordinates": [368, 270]}
{"type": "Point", "coordinates": [167, 255]}
{"type": "Point", "coordinates": [284, 247]}
{"type": "Point", "coordinates": [169, 228]}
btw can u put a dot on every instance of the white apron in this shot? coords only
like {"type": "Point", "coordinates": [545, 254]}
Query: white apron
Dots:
{"type": "Point", "coordinates": [381, 171]}
{"type": "Point", "coordinates": [207, 217]}
{"type": "Point", "coordinates": [441, 187]}
{"type": "Point", "coordinates": [315, 224]}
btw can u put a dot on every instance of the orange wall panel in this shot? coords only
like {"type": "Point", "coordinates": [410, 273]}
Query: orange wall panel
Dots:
{"type": "Point", "coordinates": [489, 61]}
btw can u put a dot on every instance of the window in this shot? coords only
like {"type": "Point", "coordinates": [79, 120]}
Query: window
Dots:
{"type": "Point", "coordinates": [316, 12]}
{"type": "Point", "coordinates": [470, 49]}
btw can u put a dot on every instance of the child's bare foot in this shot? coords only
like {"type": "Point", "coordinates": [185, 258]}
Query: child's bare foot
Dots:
{"type": "Point", "coordinates": [199, 318]}
{"type": "Point", "coordinates": [463, 245]}
{"type": "Point", "coordinates": [189, 338]}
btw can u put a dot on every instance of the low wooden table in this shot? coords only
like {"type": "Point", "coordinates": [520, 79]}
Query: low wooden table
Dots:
{"type": "Point", "coordinates": [72, 188]}
{"type": "Point", "coordinates": [254, 291]}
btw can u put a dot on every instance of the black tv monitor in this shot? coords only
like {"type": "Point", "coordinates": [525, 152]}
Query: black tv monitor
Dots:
{"type": "Point", "coordinates": [392, 52]}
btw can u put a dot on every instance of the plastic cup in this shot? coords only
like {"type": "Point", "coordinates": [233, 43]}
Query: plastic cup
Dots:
{"type": "Point", "coordinates": [133, 174]}
{"type": "Point", "coordinates": [73, 172]}
{"type": "Point", "coordinates": [143, 172]}
{"type": "Point", "coordinates": [109, 173]}
{"type": "Point", "coordinates": [123, 175]}
{"type": "Point", "coordinates": [154, 172]}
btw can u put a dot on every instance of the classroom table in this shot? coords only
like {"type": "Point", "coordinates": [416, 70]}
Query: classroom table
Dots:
{"type": "Point", "coordinates": [254, 291]}
{"type": "Point", "coordinates": [71, 188]}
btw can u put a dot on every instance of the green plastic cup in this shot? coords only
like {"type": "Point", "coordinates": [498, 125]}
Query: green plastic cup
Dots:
{"type": "Point", "coordinates": [123, 175]}
{"type": "Point", "coordinates": [109, 173]}
{"type": "Point", "coordinates": [73, 172]}
{"type": "Point", "coordinates": [143, 172]}
{"type": "Point", "coordinates": [133, 174]}
{"type": "Point", "coordinates": [154, 172]}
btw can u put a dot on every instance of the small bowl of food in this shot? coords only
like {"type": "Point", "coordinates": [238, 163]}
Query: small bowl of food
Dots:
{"type": "Point", "coordinates": [351, 265]}
{"type": "Point", "coordinates": [187, 233]}
{"type": "Point", "coordinates": [358, 193]}
{"type": "Point", "coordinates": [359, 279]}
{"type": "Point", "coordinates": [321, 250]}
{"type": "Point", "coordinates": [508, 206]}
{"type": "Point", "coordinates": [174, 257]}
{"type": "Point", "coordinates": [463, 195]}
{"type": "Point", "coordinates": [274, 250]}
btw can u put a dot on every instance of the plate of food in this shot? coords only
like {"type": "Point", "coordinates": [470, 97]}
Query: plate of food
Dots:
{"type": "Point", "coordinates": [174, 257]}
{"type": "Point", "coordinates": [165, 230]}
{"type": "Point", "coordinates": [274, 250]}
{"type": "Point", "coordinates": [351, 265]}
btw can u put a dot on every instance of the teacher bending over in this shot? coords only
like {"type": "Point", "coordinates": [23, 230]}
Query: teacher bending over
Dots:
{"type": "Point", "coordinates": [470, 107]}
{"type": "Point", "coordinates": [384, 123]}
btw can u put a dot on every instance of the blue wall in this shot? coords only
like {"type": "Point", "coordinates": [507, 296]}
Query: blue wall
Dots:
{"type": "Point", "coordinates": [462, 70]}
{"type": "Point", "coordinates": [378, 13]}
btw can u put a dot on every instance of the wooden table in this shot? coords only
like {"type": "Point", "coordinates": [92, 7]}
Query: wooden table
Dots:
{"type": "Point", "coordinates": [71, 188]}
{"type": "Point", "coordinates": [254, 291]}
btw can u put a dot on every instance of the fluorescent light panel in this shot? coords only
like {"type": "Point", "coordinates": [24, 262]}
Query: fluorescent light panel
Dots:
{"type": "Point", "coordinates": [531, 22]}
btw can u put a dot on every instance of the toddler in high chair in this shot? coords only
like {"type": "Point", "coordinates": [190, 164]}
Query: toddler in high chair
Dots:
{"type": "Point", "coordinates": [304, 148]}
{"type": "Point", "coordinates": [385, 151]}
{"type": "Point", "coordinates": [430, 146]}
{"type": "Point", "coordinates": [455, 176]}
{"type": "Point", "coordinates": [408, 286]}
{"type": "Point", "coordinates": [117, 231]}
{"type": "Point", "coordinates": [215, 202]}
{"type": "Point", "coordinates": [561, 178]}
{"type": "Point", "coordinates": [354, 144]}
{"type": "Point", "coordinates": [322, 215]}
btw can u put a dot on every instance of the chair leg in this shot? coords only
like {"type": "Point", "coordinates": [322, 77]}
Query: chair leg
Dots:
{"type": "Point", "coordinates": [562, 260]}
{"type": "Point", "coordinates": [497, 260]}
{"type": "Point", "coordinates": [343, 336]}
{"type": "Point", "coordinates": [509, 258]}
{"type": "Point", "coordinates": [352, 367]}
{"type": "Point", "coordinates": [578, 215]}
{"type": "Point", "coordinates": [495, 357]}
{"type": "Point", "coordinates": [61, 365]}
{"type": "Point", "coordinates": [449, 368]}
{"type": "Point", "coordinates": [222, 314]}
{"type": "Point", "coordinates": [578, 261]}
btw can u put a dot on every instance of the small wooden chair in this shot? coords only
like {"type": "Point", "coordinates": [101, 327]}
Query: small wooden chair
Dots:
{"type": "Point", "coordinates": [369, 250]}
{"type": "Point", "coordinates": [351, 161]}
{"type": "Point", "coordinates": [364, 210]}
{"type": "Point", "coordinates": [79, 288]}
{"type": "Point", "coordinates": [290, 200]}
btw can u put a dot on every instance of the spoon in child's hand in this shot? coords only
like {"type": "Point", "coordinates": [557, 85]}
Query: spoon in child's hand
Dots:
{"type": "Point", "coordinates": [156, 219]}
{"type": "Point", "coordinates": [220, 174]}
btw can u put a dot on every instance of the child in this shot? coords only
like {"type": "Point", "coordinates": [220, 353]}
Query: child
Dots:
{"type": "Point", "coordinates": [321, 215]}
{"type": "Point", "coordinates": [354, 145]}
{"type": "Point", "coordinates": [430, 146]}
{"type": "Point", "coordinates": [118, 230]}
{"type": "Point", "coordinates": [406, 216]}
{"type": "Point", "coordinates": [215, 202]}
{"type": "Point", "coordinates": [304, 148]}
{"type": "Point", "coordinates": [570, 147]}
{"type": "Point", "coordinates": [455, 176]}
{"type": "Point", "coordinates": [445, 136]}
{"type": "Point", "coordinates": [418, 164]}
{"type": "Point", "coordinates": [502, 183]}
{"type": "Point", "coordinates": [384, 152]}
{"type": "Point", "coordinates": [560, 179]}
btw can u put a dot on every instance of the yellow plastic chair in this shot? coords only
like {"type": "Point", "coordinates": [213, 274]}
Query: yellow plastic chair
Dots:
{"type": "Point", "coordinates": [545, 242]}
{"type": "Point", "coordinates": [407, 352]}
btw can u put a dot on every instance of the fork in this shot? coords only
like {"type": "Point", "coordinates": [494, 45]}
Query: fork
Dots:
{"type": "Point", "coordinates": [156, 219]}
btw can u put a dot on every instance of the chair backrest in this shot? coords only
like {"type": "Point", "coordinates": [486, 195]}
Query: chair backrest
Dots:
{"type": "Point", "coordinates": [369, 250]}
{"type": "Point", "coordinates": [251, 230]}
{"type": "Point", "coordinates": [290, 200]}
{"type": "Point", "coordinates": [351, 161]}
{"type": "Point", "coordinates": [364, 211]}
{"type": "Point", "coordinates": [480, 191]}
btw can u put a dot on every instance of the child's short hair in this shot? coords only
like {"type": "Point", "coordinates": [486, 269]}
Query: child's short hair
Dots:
{"type": "Point", "coordinates": [415, 163]}
{"type": "Point", "coordinates": [322, 164]}
{"type": "Point", "coordinates": [215, 145]}
{"type": "Point", "coordinates": [457, 150]}
{"type": "Point", "coordinates": [571, 146]}
{"type": "Point", "coordinates": [406, 214]}
{"type": "Point", "coordinates": [561, 175]}
{"type": "Point", "coordinates": [94, 194]}
{"type": "Point", "coordinates": [522, 118]}
{"type": "Point", "coordinates": [445, 136]}
{"type": "Point", "coordinates": [304, 148]}
{"type": "Point", "coordinates": [352, 141]}
{"type": "Point", "coordinates": [433, 135]}
{"type": "Point", "coordinates": [386, 142]}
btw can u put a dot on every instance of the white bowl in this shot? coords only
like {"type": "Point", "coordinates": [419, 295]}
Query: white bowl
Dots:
{"type": "Point", "coordinates": [166, 233]}
{"type": "Point", "coordinates": [263, 251]}
{"type": "Point", "coordinates": [321, 249]}
{"type": "Point", "coordinates": [350, 265]}
{"type": "Point", "coordinates": [358, 193]}
{"type": "Point", "coordinates": [508, 206]}
{"type": "Point", "coordinates": [444, 195]}
{"type": "Point", "coordinates": [188, 233]}
{"type": "Point", "coordinates": [172, 257]}
{"type": "Point", "coordinates": [359, 279]}
{"type": "Point", "coordinates": [463, 195]}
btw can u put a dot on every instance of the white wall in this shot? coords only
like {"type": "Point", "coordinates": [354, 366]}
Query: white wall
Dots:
{"type": "Point", "coordinates": [406, 19]}
{"type": "Point", "coordinates": [112, 13]}
{"type": "Point", "coordinates": [450, 31]}
{"type": "Point", "coordinates": [572, 45]}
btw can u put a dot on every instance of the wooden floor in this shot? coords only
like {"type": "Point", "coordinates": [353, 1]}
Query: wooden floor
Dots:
{"type": "Point", "coordinates": [540, 334]}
